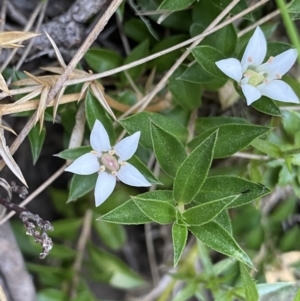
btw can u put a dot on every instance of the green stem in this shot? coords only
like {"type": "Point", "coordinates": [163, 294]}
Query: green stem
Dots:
{"type": "Point", "coordinates": [289, 25]}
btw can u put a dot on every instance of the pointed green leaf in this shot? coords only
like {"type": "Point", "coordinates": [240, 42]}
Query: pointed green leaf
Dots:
{"type": "Point", "coordinates": [100, 60]}
{"type": "Point", "coordinates": [169, 152]}
{"type": "Point", "coordinates": [204, 213]}
{"type": "Point", "coordinates": [144, 170]}
{"type": "Point", "coordinates": [36, 139]}
{"type": "Point", "coordinates": [250, 289]}
{"type": "Point", "coordinates": [112, 235]}
{"type": "Point", "coordinates": [264, 145]}
{"type": "Point", "coordinates": [186, 94]}
{"type": "Point", "coordinates": [206, 123]}
{"type": "Point", "coordinates": [175, 4]}
{"type": "Point", "coordinates": [94, 110]}
{"type": "Point", "coordinates": [141, 122]}
{"type": "Point", "coordinates": [165, 62]}
{"type": "Point", "coordinates": [267, 106]}
{"type": "Point", "coordinates": [128, 213]}
{"type": "Point", "coordinates": [139, 52]}
{"type": "Point", "coordinates": [193, 170]}
{"type": "Point", "coordinates": [224, 39]}
{"type": "Point", "coordinates": [74, 153]}
{"type": "Point", "coordinates": [158, 211]}
{"type": "Point", "coordinates": [119, 274]}
{"type": "Point", "coordinates": [222, 186]}
{"type": "Point", "coordinates": [224, 221]}
{"type": "Point", "coordinates": [179, 237]}
{"type": "Point", "coordinates": [160, 195]}
{"type": "Point", "coordinates": [81, 185]}
{"type": "Point", "coordinates": [217, 238]}
{"type": "Point", "coordinates": [207, 57]}
{"type": "Point", "coordinates": [196, 74]}
{"type": "Point", "coordinates": [231, 138]}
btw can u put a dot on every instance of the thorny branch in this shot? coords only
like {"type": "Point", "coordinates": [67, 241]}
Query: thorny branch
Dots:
{"type": "Point", "coordinates": [31, 221]}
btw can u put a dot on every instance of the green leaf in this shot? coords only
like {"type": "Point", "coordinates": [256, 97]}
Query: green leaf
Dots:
{"type": "Point", "coordinates": [291, 123]}
{"type": "Point", "coordinates": [207, 57]}
{"type": "Point", "coordinates": [166, 61]}
{"type": "Point", "coordinates": [175, 4]}
{"type": "Point", "coordinates": [81, 185]}
{"type": "Point", "coordinates": [144, 170]}
{"type": "Point", "coordinates": [217, 238]}
{"type": "Point", "coordinates": [231, 138]}
{"type": "Point", "coordinates": [196, 74]}
{"type": "Point", "coordinates": [169, 152]}
{"type": "Point", "coordinates": [187, 292]}
{"type": "Point", "coordinates": [223, 186]}
{"type": "Point", "coordinates": [112, 235]}
{"type": "Point", "coordinates": [128, 213]}
{"type": "Point", "coordinates": [179, 237]}
{"type": "Point", "coordinates": [139, 52]}
{"type": "Point", "coordinates": [74, 153]}
{"type": "Point", "coordinates": [186, 94]}
{"type": "Point", "coordinates": [267, 106]}
{"type": "Point", "coordinates": [160, 195]}
{"type": "Point", "coordinates": [66, 228]}
{"type": "Point", "coordinates": [265, 146]}
{"type": "Point", "coordinates": [241, 6]}
{"type": "Point", "coordinates": [158, 211]}
{"type": "Point", "coordinates": [223, 219]}
{"type": "Point", "coordinates": [206, 123]}
{"type": "Point", "coordinates": [204, 213]}
{"type": "Point", "coordinates": [94, 111]}
{"type": "Point", "coordinates": [138, 31]}
{"type": "Point", "coordinates": [250, 289]}
{"type": "Point", "coordinates": [141, 122]}
{"type": "Point", "coordinates": [193, 171]}
{"type": "Point", "coordinates": [36, 139]}
{"type": "Point", "coordinates": [100, 60]}
{"type": "Point", "coordinates": [224, 39]}
{"type": "Point", "coordinates": [121, 276]}
{"type": "Point", "coordinates": [294, 7]}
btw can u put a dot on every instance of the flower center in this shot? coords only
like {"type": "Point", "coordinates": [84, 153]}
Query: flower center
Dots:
{"type": "Point", "coordinates": [254, 78]}
{"type": "Point", "coordinates": [110, 162]}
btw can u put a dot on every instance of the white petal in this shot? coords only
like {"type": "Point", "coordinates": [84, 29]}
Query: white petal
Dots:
{"type": "Point", "coordinates": [127, 146]}
{"type": "Point", "coordinates": [99, 138]}
{"type": "Point", "coordinates": [279, 90]}
{"type": "Point", "coordinates": [280, 64]}
{"type": "Point", "coordinates": [129, 175]}
{"type": "Point", "coordinates": [84, 165]}
{"type": "Point", "coordinates": [104, 187]}
{"type": "Point", "coordinates": [255, 51]}
{"type": "Point", "coordinates": [231, 67]}
{"type": "Point", "coordinates": [251, 93]}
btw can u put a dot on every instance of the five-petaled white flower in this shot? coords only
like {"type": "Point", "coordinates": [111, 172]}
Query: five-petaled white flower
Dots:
{"type": "Point", "coordinates": [257, 79]}
{"type": "Point", "coordinates": [110, 163]}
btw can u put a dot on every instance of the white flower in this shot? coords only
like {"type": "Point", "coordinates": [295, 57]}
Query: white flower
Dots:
{"type": "Point", "coordinates": [257, 79]}
{"type": "Point", "coordinates": [110, 163]}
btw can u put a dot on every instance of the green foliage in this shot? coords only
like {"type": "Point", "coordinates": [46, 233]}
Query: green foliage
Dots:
{"type": "Point", "coordinates": [142, 121]}
{"type": "Point", "coordinates": [179, 236]}
{"type": "Point", "coordinates": [231, 138]}
{"type": "Point", "coordinates": [94, 110]}
{"type": "Point", "coordinates": [169, 152]}
{"type": "Point", "coordinates": [81, 185]}
{"type": "Point", "coordinates": [250, 289]}
{"type": "Point", "coordinates": [210, 159]}
{"type": "Point", "coordinates": [36, 139]}
{"type": "Point", "coordinates": [100, 60]}
{"type": "Point", "coordinates": [193, 171]}
{"type": "Point", "coordinates": [175, 4]}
